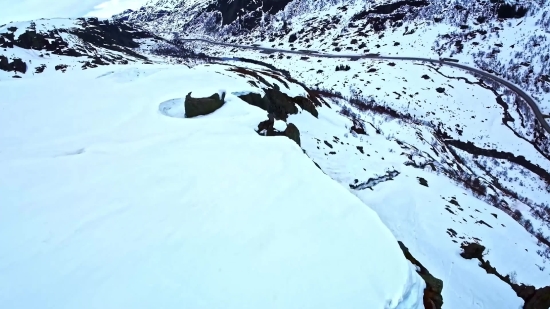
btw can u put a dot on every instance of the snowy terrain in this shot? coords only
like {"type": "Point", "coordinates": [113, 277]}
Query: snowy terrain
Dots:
{"type": "Point", "coordinates": [107, 202]}
{"type": "Point", "coordinates": [107, 185]}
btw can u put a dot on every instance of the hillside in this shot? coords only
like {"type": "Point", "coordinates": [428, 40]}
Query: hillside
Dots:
{"type": "Point", "coordinates": [146, 209]}
{"type": "Point", "coordinates": [358, 155]}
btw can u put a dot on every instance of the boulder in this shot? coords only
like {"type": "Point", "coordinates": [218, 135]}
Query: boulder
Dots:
{"type": "Point", "coordinates": [265, 128]}
{"type": "Point", "coordinates": [472, 251]}
{"type": "Point", "coordinates": [202, 106]}
{"type": "Point", "coordinates": [16, 65]}
{"type": "Point", "coordinates": [279, 103]}
{"type": "Point", "coordinates": [293, 133]}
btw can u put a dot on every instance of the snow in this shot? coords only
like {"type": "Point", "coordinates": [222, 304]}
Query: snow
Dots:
{"type": "Point", "coordinates": [417, 214]}
{"type": "Point", "coordinates": [107, 202]}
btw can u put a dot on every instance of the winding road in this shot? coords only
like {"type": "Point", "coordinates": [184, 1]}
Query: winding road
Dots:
{"type": "Point", "coordinates": [536, 110]}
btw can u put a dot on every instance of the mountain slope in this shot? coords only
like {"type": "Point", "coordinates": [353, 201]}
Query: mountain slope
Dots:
{"type": "Point", "coordinates": [35, 47]}
{"type": "Point", "coordinates": [444, 157]}
{"type": "Point", "coordinates": [107, 202]}
{"type": "Point", "coordinates": [507, 39]}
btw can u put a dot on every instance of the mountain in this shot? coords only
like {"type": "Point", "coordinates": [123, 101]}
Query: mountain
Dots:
{"type": "Point", "coordinates": [66, 44]}
{"type": "Point", "coordinates": [202, 196]}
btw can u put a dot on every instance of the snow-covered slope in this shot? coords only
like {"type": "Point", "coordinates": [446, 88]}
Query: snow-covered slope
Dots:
{"type": "Point", "coordinates": [444, 157]}
{"type": "Point", "coordinates": [106, 202]}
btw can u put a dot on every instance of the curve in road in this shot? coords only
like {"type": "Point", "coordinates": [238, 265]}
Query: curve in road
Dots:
{"type": "Point", "coordinates": [530, 101]}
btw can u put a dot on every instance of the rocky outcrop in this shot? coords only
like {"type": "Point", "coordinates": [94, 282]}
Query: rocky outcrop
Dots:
{"type": "Point", "coordinates": [472, 251]}
{"type": "Point", "coordinates": [248, 12]}
{"type": "Point", "coordinates": [534, 298]}
{"type": "Point", "coordinates": [279, 103]}
{"type": "Point", "coordinates": [202, 106]}
{"type": "Point", "coordinates": [293, 133]}
{"type": "Point", "coordinates": [307, 105]}
{"type": "Point", "coordinates": [265, 128]}
{"type": "Point", "coordinates": [15, 65]}
{"type": "Point", "coordinates": [434, 286]}
{"type": "Point", "coordinates": [83, 37]}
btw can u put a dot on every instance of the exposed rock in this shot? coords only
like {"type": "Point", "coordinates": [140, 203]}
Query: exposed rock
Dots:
{"type": "Point", "coordinates": [249, 12]}
{"type": "Point", "coordinates": [540, 300]}
{"type": "Point", "coordinates": [432, 293]}
{"type": "Point", "coordinates": [40, 69]}
{"type": "Point", "coordinates": [534, 298]}
{"type": "Point", "coordinates": [472, 251]}
{"type": "Point", "coordinates": [293, 133]}
{"type": "Point", "coordinates": [292, 38]}
{"type": "Point", "coordinates": [62, 67]}
{"type": "Point", "coordinates": [202, 106]}
{"type": "Point", "coordinates": [4, 63]}
{"type": "Point", "coordinates": [93, 34]}
{"type": "Point", "coordinates": [307, 105]}
{"type": "Point", "coordinates": [19, 65]}
{"type": "Point", "coordinates": [265, 128]}
{"type": "Point", "coordinates": [16, 65]}
{"type": "Point", "coordinates": [278, 103]}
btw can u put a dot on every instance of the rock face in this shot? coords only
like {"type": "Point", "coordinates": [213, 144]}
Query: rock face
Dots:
{"type": "Point", "coordinates": [249, 12]}
{"type": "Point", "coordinates": [202, 106]}
{"type": "Point", "coordinates": [432, 294]}
{"type": "Point", "coordinates": [293, 133]}
{"type": "Point", "coordinates": [279, 103]}
{"type": "Point", "coordinates": [265, 128]}
{"type": "Point", "coordinates": [472, 251]}
{"type": "Point", "coordinates": [16, 65]}
{"type": "Point", "coordinates": [540, 300]}
{"type": "Point", "coordinates": [534, 298]}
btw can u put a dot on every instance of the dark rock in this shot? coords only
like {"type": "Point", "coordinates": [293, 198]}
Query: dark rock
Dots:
{"type": "Point", "coordinates": [40, 68]}
{"type": "Point", "coordinates": [422, 181]}
{"type": "Point", "coordinates": [4, 63]}
{"type": "Point", "coordinates": [358, 127]}
{"type": "Point", "coordinates": [292, 38]}
{"type": "Point", "coordinates": [293, 133]}
{"type": "Point", "coordinates": [525, 292]}
{"type": "Point", "coordinates": [19, 65]}
{"type": "Point", "coordinates": [266, 128]}
{"type": "Point", "coordinates": [16, 65]}
{"type": "Point", "coordinates": [472, 251]}
{"type": "Point", "coordinates": [202, 106]}
{"type": "Point", "coordinates": [540, 300]}
{"type": "Point", "coordinates": [432, 293]}
{"type": "Point", "coordinates": [278, 103]}
{"type": "Point", "coordinates": [307, 105]}
{"type": "Point", "coordinates": [249, 12]}
{"type": "Point", "coordinates": [62, 67]}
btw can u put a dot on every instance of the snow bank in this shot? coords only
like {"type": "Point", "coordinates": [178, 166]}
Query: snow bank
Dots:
{"type": "Point", "coordinates": [106, 202]}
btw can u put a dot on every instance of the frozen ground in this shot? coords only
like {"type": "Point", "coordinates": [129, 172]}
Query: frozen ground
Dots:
{"type": "Point", "coordinates": [106, 202]}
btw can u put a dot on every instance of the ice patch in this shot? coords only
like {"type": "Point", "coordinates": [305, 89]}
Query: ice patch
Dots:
{"type": "Point", "coordinates": [173, 108]}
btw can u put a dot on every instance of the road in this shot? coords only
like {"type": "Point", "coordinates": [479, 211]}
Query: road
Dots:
{"type": "Point", "coordinates": [534, 106]}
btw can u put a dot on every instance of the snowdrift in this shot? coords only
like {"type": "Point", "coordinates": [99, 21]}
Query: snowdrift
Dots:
{"type": "Point", "coordinates": [105, 202]}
